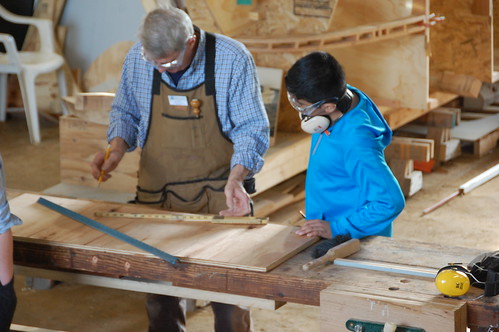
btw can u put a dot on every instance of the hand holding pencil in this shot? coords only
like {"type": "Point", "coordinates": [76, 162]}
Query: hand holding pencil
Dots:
{"type": "Point", "coordinates": [105, 162]}
{"type": "Point", "coordinates": [106, 157]}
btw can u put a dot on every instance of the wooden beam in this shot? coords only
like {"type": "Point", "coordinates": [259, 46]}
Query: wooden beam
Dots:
{"type": "Point", "coordinates": [148, 286]}
{"type": "Point", "coordinates": [463, 85]}
{"type": "Point", "coordinates": [363, 34]}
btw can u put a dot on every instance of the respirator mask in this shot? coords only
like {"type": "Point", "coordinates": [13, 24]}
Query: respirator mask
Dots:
{"type": "Point", "coordinates": [319, 123]}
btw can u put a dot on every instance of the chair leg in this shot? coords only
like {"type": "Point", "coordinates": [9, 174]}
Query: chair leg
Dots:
{"type": "Point", "coordinates": [3, 97]}
{"type": "Point", "coordinates": [27, 83]}
{"type": "Point", "coordinates": [63, 91]}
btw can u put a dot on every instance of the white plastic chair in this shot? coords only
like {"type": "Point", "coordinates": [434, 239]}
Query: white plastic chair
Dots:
{"type": "Point", "coordinates": [27, 66]}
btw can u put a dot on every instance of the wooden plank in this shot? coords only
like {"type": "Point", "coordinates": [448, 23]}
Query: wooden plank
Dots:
{"type": "Point", "coordinates": [340, 303]}
{"type": "Point", "coordinates": [404, 148]}
{"type": "Point", "coordinates": [287, 158]}
{"type": "Point", "coordinates": [476, 129]}
{"type": "Point", "coordinates": [200, 243]}
{"type": "Point", "coordinates": [94, 101]}
{"type": "Point", "coordinates": [363, 34]}
{"type": "Point", "coordinates": [463, 85]}
{"type": "Point", "coordinates": [277, 197]}
{"type": "Point", "coordinates": [443, 117]}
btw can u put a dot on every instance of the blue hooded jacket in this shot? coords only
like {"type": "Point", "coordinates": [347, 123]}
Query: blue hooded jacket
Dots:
{"type": "Point", "coordinates": [349, 183]}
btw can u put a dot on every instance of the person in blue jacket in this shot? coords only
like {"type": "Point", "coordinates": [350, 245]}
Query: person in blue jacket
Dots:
{"type": "Point", "coordinates": [350, 190]}
{"type": "Point", "coordinates": [8, 298]}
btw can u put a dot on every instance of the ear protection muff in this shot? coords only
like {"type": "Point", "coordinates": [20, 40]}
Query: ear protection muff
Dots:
{"type": "Point", "coordinates": [344, 103]}
{"type": "Point", "coordinates": [315, 124]}
{"type": "Point", "coordinates": [453, 280]}
{"type": "Point", "coordinates": [483, 272]}
{"type": "Point", "coordinates": [319, 123]}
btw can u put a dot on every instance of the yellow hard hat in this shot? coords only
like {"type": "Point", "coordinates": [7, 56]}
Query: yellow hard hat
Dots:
{"type": "Point", "coordinates": [452, 281]}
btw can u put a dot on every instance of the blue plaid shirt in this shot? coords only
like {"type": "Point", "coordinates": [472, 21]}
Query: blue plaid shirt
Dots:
{"type": "Point", "coordinates": [240, 107]}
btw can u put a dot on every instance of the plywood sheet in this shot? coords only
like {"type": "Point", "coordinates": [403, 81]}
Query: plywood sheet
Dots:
{"type": "Point", "coordinates": [462, 43]}
{"type": "Point", "coordinates": [254, 248]}
{"type": "Point", "coordinates": [476, 129]}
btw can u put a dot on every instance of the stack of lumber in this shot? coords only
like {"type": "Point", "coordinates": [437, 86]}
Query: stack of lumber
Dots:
{"type": "Point", "coordinates": [401, 154]}
{"type": "Point", "coordinates": [440, 123]}
{"type": "Point", "coordinates": [481, 135]}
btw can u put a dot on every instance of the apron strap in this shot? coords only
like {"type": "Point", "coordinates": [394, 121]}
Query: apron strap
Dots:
{"type": "Point", "coordinates": [156, 81]}
{"type": "Point", "coordinates": [209, 69]}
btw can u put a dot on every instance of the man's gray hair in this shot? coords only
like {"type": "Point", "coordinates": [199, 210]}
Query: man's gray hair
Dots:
{"type": "Point", "coordinates": [165, 30]}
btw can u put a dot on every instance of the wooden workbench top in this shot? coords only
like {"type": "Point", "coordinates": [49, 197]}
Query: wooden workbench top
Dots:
{"type": "Point", "coordinates": [285, 283]}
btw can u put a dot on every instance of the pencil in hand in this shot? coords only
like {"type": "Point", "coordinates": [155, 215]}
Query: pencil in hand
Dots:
{"type": "Point", "coordinates": [106, 157]}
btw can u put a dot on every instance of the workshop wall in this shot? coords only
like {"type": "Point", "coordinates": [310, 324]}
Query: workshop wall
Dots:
{"type": "Point", "coordinates": [95, 25]}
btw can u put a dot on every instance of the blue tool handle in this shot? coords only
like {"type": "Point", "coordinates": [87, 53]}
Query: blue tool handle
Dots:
{"type": "Point", "coordinates": [110, 231]}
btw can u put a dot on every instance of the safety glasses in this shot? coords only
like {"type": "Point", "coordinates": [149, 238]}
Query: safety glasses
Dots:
{"type": "Point", "coordinates": [168, 65]}
{"type": "Point", "coordinates": [308, 110]}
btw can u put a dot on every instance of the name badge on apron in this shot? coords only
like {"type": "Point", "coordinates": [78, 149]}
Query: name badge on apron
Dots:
{"type": "Point", "coordinates": [178, 102]}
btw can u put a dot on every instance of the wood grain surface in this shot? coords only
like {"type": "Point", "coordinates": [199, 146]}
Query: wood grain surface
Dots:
{"type": "Point", "coordinates": [254, 248]}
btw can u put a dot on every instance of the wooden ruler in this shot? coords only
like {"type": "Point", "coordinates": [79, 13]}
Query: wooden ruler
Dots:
{"type": "Point", "coordinates": [187, 217]}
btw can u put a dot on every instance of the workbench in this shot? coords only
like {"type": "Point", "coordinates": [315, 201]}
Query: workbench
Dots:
{"type": "Point", "coordinates": [285, 283]}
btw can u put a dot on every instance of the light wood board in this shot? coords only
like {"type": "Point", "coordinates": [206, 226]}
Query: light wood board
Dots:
{"type": "Point", "coordinates": [476, 129]}
{"type": "Point", "coordinates": [254, 248]}
{"type": "Point", "coordinates": [463, 42]}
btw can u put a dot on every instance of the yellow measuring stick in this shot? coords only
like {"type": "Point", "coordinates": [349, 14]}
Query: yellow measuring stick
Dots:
{"type": "Point", "coordinates": [187, 217]}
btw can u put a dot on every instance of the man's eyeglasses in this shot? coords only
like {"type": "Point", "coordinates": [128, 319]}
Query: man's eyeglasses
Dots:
{"type": "Point", "coordinates": [307, 110]}
{"type": "Point", "coordinates": [168, 65]}
{"type": "Point", "coordinates": [178, 62]}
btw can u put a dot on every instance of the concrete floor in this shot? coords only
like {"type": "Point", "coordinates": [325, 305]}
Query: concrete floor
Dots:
{"type": "Point", "coordinates": [468, 221]}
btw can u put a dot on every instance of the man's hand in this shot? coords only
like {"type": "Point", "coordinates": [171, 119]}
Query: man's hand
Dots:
{"type": "Point", "coordinates": [117, 151]}
{"type": "Point", "coordinates": [237, 199]}
{"type": "Point", "coordinates": [316, 227]}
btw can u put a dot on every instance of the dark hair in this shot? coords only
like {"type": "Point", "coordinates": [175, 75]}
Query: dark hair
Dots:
{"type": "Point", "coordinates": [317, 76]}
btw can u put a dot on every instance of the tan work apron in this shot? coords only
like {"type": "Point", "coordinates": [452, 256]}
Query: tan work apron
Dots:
{"type": "Point", "coordinates": [185, 161]}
